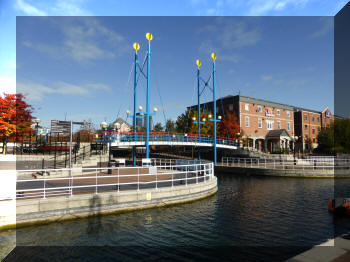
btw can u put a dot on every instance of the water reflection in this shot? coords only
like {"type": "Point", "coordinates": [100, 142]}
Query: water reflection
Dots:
{"type": "Point", "coordinates": [247, 211]}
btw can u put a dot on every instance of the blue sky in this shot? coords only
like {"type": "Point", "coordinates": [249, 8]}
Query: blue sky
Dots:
{"type": "Point", "coordinates": [81, 65]}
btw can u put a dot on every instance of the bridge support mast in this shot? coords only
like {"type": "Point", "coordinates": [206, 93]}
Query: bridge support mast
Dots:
{"type": "Point", "coordinates": [215, 120]}
{"type": "Point", "coordinates": [199, 107]}
{"type": "Point", "coordinates": [136, 47]}
{"type": "Point", "coordinates": [149, 37]}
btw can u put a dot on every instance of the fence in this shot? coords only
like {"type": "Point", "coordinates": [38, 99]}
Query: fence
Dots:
{"type": "Point", "coordinates": [161, 173]}
{"type": "Point", "coordinates": [164, 137]}
{"type": "Point", "coordinates": [304, 164]}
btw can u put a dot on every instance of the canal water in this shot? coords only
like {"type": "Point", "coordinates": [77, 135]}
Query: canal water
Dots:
{"type": "Point", "coordinates": [250, 219]}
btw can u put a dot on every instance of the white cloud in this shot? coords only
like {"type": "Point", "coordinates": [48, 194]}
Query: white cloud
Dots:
{"type": "Point", "coordinates": [261, 7]}
{"type": "Point", "coordinates": [266, 78]}
{"type": "Point", "coordinates": [70, 7]}
{"type": "Point", "coordinates": [325, 27]}
{"type": "Point", "coordinates": [83, 39]}
{"type": "Point", "coordinates": [7, 85]}
{"type": "Point", "coordinates": [228, 34]}
{"type": "Point", "coordinates": [28, 9]}
{"type": "Point", "coordinates": [36, 92]}
{"type": "Point", "coordinates": [58, 7]}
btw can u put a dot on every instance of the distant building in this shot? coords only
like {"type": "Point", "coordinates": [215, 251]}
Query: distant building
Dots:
{"type": "Point", "coordinates": [270, 126]}
{"type": "Point", "coordinates": [141, 122]}
{"type": "Point", "coordinates": [124, 126]}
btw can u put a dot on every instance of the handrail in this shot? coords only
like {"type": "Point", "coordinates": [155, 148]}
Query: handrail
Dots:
{"type": "Point", "coordinates": [161, 173]}
{"type": "Point", "coordinates": [314, 164]}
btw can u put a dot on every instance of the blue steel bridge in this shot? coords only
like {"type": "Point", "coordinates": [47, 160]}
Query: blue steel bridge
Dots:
{"type": "Point", "coordinates": [166, 139]}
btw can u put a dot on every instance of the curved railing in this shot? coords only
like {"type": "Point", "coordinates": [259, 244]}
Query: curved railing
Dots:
{"type": "Point", "coordinates": [161, 173]}
{"type": "Point", "coordinates": [163, 137]}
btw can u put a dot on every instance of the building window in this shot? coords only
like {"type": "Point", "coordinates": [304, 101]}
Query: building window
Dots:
{"type": "Point", "coordinates": [313, 130]}
{"type": "Point", "coordinates": [230, 107]}
{"type": "Point", "coordinates": [259, 123]}
{"type": "Point", "coordinates": [269, 125]}
{"type": "Point", "coordinates": [318, 129]}
{"type": "Point", "coordinates": [247, 121]}
{"type": "Point", "coordinates": [313, 140]}
{"type": "Point", "coordinates": [312, 119]}
{"type": "Point", "coordinates": [288, 126]}
{"type": "Point", "coordinates": [318, 119]}
{"type": "Point", "coordinates": [288, 113]}
{"type": "Point", "coordinates": [278, 112]}
{"type": "Point", "coordinates": [305, 117]}
{"type": "Point", "coordinates": [278, 124]}
{"type": "Point", "coordinates": [246, 107]}
{"type": "Point", "coordinates": [305, 127]}
{"type": "Point", "coordinates": [259, 109]}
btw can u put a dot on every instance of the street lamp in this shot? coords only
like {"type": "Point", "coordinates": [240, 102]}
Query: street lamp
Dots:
{"type": "Point", "coordinates": [105, 137]}
{"type": "Point", "coordinates": [37, 121]}
{"type": "Point", "coordinates": [294, 139]}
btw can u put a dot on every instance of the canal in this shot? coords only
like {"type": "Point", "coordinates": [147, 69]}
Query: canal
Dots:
{"type": "Point", "coordinates": [249, 219]}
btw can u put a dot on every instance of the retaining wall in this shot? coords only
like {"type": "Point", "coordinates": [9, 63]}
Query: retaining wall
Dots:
{"type": "Point", "coordinates": [284, 172]}
{"type": "Point", "coordinates": [33, 211]}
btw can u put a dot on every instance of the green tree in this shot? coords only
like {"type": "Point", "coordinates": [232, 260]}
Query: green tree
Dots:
{"type": "Point", "coordinates": [170, 126]}
{"type": "Point", "coordinates": [158, 127]}
{"type": "Point", "coordinates": [184, 122]}
{"type": "Point", "coordinates": [336, 138]}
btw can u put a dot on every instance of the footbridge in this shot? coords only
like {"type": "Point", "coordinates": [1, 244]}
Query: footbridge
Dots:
{"type": "Point", "coordinates": [166, 139]}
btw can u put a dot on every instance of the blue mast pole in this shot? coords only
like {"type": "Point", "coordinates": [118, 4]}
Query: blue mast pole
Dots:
{"type": "Point", "coordinates": [136, 47]}
{"type": "Point", "coordinates": [199, 108]}
{"type": "Point", "coordinates": [149, 37]}
{"type": "Point", "coordinates": [213, 55]}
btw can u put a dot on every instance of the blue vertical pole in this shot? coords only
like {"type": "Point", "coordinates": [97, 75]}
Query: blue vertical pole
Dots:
{"type": "Point", "coordinates": [147, 97]}
{"type": "Point", "coordinates": [199, 113]}
{"type": "Point", "coordinates": [214, 104]}
{"type": "Point", "coordinates": [134, 120]}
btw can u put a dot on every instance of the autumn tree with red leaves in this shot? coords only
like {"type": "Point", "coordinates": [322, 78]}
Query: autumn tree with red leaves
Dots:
{"type": "Point", "coordinates": [229, 126]}
{"type": "Point", "coordinates": [15, 117]}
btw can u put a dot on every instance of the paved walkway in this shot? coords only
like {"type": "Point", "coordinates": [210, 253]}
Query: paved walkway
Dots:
{"type": "Point", "coordinates": [337, 250]}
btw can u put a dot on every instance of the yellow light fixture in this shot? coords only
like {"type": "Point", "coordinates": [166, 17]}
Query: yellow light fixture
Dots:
{"type": "Point", "coordinates": [213, 56]}
{"type": "Point", "coordinates": [136, 46]}
{"type": "Point", "coordinates": [198, 63]}
{"type": "Point", "coordinates": [149, 37]}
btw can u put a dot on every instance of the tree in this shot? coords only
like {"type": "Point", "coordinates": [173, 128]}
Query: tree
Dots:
{"type": "Point", "coordinates": [15, 117]}
{"type": "Point", "coordinates": [170, 126]}
{"type": "Point", "coordinates": [229, 126]}
{"type": "Point", "coordinates": [158, 127]}
{"type": "Point", "coordinates": [336, 138]}
{"type": "Point", "coordinates": [184, 122]}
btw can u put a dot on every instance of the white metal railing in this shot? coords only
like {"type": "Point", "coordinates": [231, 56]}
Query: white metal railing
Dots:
{"type": "Point", "coordinates": [161, 173]}
{"type": "Point", "coordinates": [268, 163]}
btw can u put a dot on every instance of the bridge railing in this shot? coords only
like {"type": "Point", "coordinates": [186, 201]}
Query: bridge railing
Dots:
{"type": "Point", "coordinates": [57, 182]}
{"type": "Point", "coordinates": [304, 164]}
{"type": "Point", "coordinates": [163, 137]}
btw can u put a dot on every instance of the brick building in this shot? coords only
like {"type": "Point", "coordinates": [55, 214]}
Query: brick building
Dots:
{"type": "Point", "coordinates": [271, 126]}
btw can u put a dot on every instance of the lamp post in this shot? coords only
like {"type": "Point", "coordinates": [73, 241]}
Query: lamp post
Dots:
{"type": "Point", "coordinates": [104, 128]}
{"type": "Point", "coordinates": [238, 140]}
{"type": "Point", "coordinates": [37, 121]}
{"type": "Point", "coordinates": [294, 139]}
{"type": "Point", "coordinates": [215, 120]}
{"type": "Point", "coordinates": [149, 37]}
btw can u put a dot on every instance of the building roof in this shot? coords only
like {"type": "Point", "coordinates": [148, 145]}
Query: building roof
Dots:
{"type": "Point", "coordinates": [262, 102]}
{"type": "Point", "coordinates": [277, 133]}
{"type": "Point", "coordinates": [265, 102]}
{"type": "Point", "coordinates": [120, 121]}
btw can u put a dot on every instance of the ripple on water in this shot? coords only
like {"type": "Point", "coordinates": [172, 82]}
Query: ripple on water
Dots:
{"type": "Point", "coordinates": [249, 211]}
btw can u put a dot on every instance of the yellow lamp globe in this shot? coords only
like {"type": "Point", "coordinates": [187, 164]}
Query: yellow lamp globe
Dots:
{"type": "Point", "coordinates": [198, 63]}
{"type": "Point", "coordinates": [136, 46]}
{"type": "Point", "coordinates": [213, 56]}
{"type": "Point", "coordinates": [149, 37]}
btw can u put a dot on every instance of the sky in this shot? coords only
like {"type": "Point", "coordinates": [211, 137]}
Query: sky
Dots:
{"type": "Point", "coordinates": [79, 66]}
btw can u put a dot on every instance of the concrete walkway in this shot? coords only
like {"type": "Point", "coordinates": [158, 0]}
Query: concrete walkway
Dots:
{"type": "Point", "coordinates": [335, 250]}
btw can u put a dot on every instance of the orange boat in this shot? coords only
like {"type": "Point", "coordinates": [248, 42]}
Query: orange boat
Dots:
{"type": "Point", "coordinates": [339, 206]}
